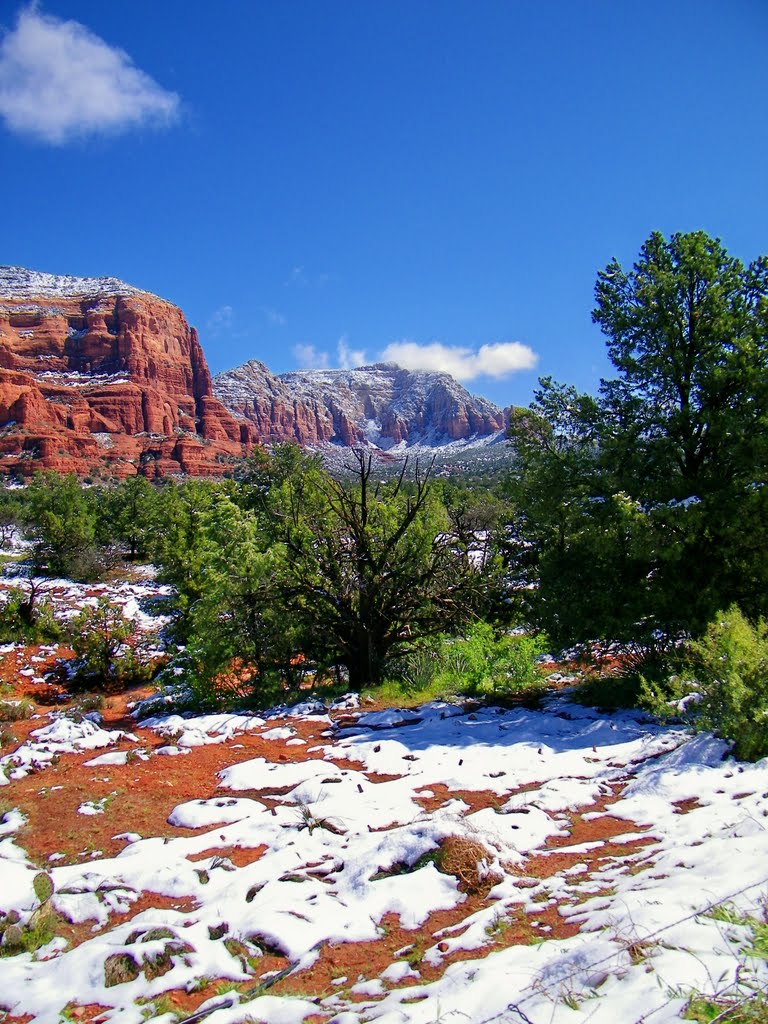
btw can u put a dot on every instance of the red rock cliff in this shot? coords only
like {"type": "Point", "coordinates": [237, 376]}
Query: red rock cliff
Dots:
{"type": "Point", "coordinates": [97, 376]}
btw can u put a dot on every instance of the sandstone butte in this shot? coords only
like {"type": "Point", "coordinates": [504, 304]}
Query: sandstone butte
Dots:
{"type": "Point", "coordinates": [106, 383]}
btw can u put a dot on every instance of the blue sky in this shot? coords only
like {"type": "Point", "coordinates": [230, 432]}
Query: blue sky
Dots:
{"type": "Point", "coordinates": [345, 180]}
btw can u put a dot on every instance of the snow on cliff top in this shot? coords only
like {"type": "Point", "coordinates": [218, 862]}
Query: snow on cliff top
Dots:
{"type": "Point", "coordinates": [387, 381]}
{"type": "Point", "coordinates": [22, 283]}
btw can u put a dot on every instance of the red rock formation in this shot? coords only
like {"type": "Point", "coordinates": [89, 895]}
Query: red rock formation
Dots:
{"type": "Point", "coordinates": [97, 377]}
{"type": "Point", "coordinates": [100, 380]}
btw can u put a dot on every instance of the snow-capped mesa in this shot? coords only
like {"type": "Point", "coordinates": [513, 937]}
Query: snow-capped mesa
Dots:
{"type": "Point", "coordinates": [95, 372]}
{"type": "Point", "coordinates": [65, 339]}
{"type": "Point", "coordinates": [23, 283]}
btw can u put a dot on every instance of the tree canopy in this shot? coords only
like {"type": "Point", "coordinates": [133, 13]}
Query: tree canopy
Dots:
{"type": "Point", "coordinates": [292, 570]}
{"type": "Point", "coordinates": [686, 331]}
{"type": "Point", "coordinates": [645, 504]}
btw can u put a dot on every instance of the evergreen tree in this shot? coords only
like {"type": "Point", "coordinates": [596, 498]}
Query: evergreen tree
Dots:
{"type": "Point", "coordinates": [179, 544]}
{"type": "Point", "coordinates": [241, 634]}
{"type": "Point", "coordinates": [60, 517]}
{"type": "Point", "coordinates": [686, 332]}
{"type": "Point", "coordinates": [645, 506]}
{"type": "Point", "coordinates": [131, 515]}
{"type": "Point", "coordinates": [685, 422]}
{"type": "Point", "coordinates": [580, 558]}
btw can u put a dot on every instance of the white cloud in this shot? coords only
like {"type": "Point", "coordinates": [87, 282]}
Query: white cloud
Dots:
{"type": "Point", "coordinates": [349, 358]}
{"type": "Point", "coordinates": [59, 81]}
{"type": "Point", "coordinates": [296, 277]}
{"type": "Point", "coordinates": [497, 360]}
{"type": "Point", "coordinates": [309, 358]}
{"type": "Point", "coordinates": [221, 319]}
{"type": "Point", "coordinates": [274, 316]}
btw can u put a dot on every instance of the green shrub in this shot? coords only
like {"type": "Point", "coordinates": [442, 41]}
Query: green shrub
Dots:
{"type": "Point", "coordinates": [483, 663]}
{"type": "Point", "coordinates": [608, 692]}
{"type": "Point", "coordinates": [618, 675]}
{"type": "Point", "coordinates": [487, 663]}
{"type": "Point", "coordinates": [398, 690]}
{"type": "Point", "coordinates": [420, 668]}
{"type": "Point", "coordinates": [16, 710]}
{"type": "Point", "coordinates": [27, 617]}
{"type": "Point", "coordinates": [59, 518]}
{"type": "Point", "coordinates": [723, 685]}
{"type": "Point", "coordinates": [84, 704]}
{"type": "Point", "coordinates": [108, 649]}
{"type": "Point", "coordinates": [416, 677]}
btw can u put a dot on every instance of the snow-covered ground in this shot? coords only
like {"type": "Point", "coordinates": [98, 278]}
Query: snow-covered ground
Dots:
{"type": "Point", "coordinates": [140, 599]}
{"type": "Point", "coordinates": [344, 827]}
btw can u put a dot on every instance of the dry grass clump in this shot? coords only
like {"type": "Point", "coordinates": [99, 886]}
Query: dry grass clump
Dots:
{"type": "Point", "coordinates": [16, 710]}
{"type": "Point", "coordinates": [467, 860]}
{"type": "Point", "coordinates": [120, 968]}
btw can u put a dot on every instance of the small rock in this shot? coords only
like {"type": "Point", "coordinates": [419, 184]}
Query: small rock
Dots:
{"type": "Point", "coordinates": [120, 968]}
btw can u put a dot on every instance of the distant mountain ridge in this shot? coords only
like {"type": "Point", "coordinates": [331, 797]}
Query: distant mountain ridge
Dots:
{"type": "Point", "coordinates": [381, 405]}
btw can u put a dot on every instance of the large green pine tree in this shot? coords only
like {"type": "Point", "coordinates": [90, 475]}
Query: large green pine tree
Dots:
{"type": "Point", "coordinates": [647, 507]}
{"type": "Point", "coordinates": [686, 331]}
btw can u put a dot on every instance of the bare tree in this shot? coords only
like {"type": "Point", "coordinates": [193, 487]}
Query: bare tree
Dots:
{"type": "Point", "coordinates": [374, 567]}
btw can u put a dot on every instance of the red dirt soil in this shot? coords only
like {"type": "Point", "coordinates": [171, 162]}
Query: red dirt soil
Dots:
{"type": "Point", "coordinates": [144, 794]}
